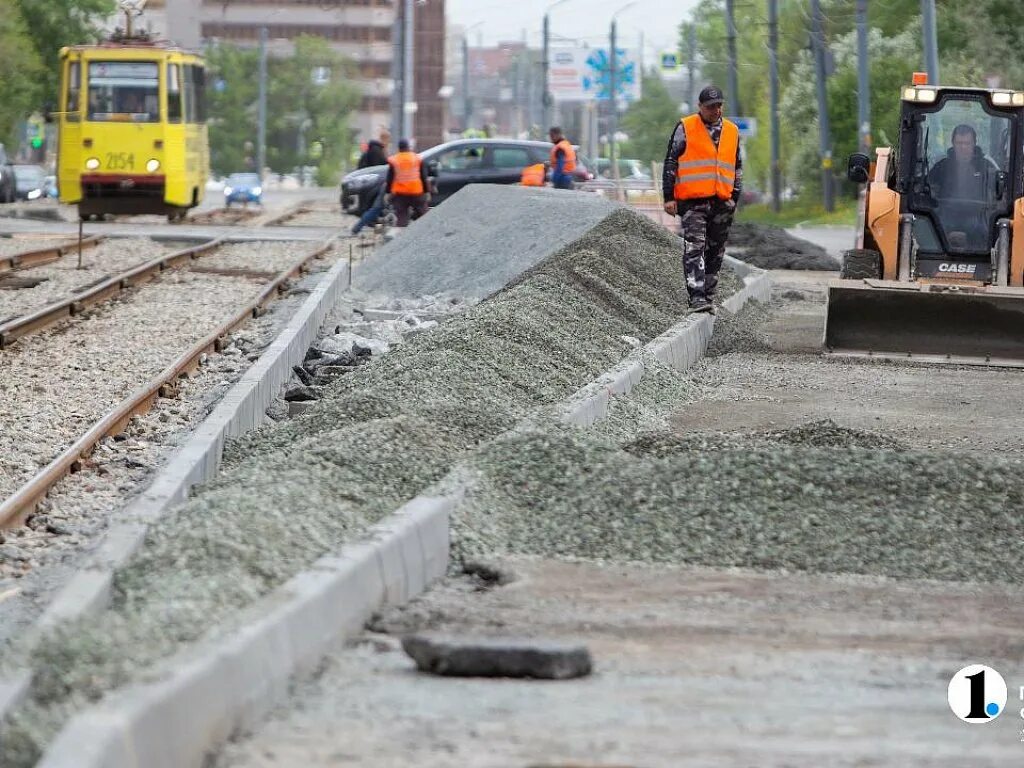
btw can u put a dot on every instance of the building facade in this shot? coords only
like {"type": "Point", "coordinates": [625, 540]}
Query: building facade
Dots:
{"type": "Point", "coordinates": [362, 30]}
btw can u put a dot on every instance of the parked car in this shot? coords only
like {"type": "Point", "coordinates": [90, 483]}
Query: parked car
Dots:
{"type": "Point", "coordinates": [6, 178]}
{"type": "Point", "coordinates": [243, 188]}
{"type": "Point", "coordinates": [29, 181]}
{"type": "Point", "coordinates": [453, 165]}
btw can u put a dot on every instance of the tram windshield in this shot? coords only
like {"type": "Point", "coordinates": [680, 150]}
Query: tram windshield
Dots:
{"type": "Point", "coordinates": [124, 91]}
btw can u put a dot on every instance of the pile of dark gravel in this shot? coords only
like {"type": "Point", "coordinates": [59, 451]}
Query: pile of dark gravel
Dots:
{"type": "Point", "coordinates": [481, 238]}
{"type": "Point", "coordinates": [771, 247]}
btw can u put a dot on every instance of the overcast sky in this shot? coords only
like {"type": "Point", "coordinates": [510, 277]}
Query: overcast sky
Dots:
{"type": "Point", "coordinates": [587, 20]}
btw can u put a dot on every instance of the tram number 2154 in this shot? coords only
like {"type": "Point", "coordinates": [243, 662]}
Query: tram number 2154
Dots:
{"type": "Point", "coordinates": [120, 161]}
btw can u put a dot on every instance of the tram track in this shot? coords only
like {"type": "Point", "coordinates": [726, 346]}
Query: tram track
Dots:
{"type": "Point", "coordinates": [27, 259]}
{"type": "Point", "coordinates": [227, 309]}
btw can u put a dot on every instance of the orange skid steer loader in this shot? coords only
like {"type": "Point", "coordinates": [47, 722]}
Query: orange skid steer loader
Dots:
{"type": "Point", "coordinates": [937, 274]}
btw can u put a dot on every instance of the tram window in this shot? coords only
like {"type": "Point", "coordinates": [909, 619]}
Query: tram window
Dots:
{"type": "Point", "coordinates": [74, 91]}
{"type": "Point", "coordinates": [124, 91]}
{"type": "Point", "coordinates": [200, 92]}
{"type": "Point", "coordinates": [174, 111]}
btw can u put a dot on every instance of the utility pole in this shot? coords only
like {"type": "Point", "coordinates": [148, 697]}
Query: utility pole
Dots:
{"type": "Point", "coordinates": [547, 99]}
{"type": "Point", "coordinates": [613, 85]}
{"type": "Point", "coordinates": [773, 99]}
{"type": "Point", "coordinates": [398, 92]}
{"type": "Point", "coordinates": [467, 104]}
{"type": "Point", "coordinates": [931, 42]}
{"type": "Point", "coordinates": [691, 66]}
{"type": "Point", "coordinates": [732, 96]}
{"type": "Point", "coordinates": [824, 133]}
{"type": "Point", "coordinates": [863, 80]}
{"type": "Point", "coordinates": [261, 107]}
{"type": "Point", "coordinates": [545, 65]}
{"type": "Point", "coordinates": [408, 92]}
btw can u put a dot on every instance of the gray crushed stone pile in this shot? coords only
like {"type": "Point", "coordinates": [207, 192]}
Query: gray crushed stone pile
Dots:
{"type": "Point", "coordinates": [815, 499]}
{"type": "Point", "coordinates": [770, 247]}
{"type": "Point", "coordinates": [481, 238]}
{"type": "Point", "coordinates": [381, 434]}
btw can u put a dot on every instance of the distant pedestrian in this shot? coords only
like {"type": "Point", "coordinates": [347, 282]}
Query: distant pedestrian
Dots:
{"type": "Point", "coordinates": [702, 183]}
{"type": "Point", "coordinates": [374, 155]}
{"type": "Point", "coordinates": [407, 183]}
{"type": "Point", "coordinates": [371, 214]}
{"type": "Point", "coordinates": [563, 159]}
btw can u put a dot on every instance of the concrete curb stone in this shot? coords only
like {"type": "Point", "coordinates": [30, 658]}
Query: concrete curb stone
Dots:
{"type": "Point", "coordinates": [228, 684]}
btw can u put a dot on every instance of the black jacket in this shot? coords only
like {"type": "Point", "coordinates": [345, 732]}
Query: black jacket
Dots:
{"type": "Point", "coordinates": [374, 155]}
{"type": "Point", "coordinates": [676, 147]}
{"type": "Point", "coordinates": [973, 180]}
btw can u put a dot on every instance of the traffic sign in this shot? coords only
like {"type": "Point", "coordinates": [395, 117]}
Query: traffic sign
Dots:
{"type": "Point", "coordinates": [670, 61]}
{"type": "Point", "coordinates": [747, 126]}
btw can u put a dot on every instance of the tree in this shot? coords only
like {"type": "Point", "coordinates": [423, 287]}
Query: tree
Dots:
{"type": "Point", "coordinates": [649, 121]}
{"type": "Point", "coordinates": [20, 72]}
{"type": "Point", "coordinates": [311, 97]}
{"type": "Point", "coordinates": [232, 95]}
{"type": "Point", "coordinates": [57, 23]}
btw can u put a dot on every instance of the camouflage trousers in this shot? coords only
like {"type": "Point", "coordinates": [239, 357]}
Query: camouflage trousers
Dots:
{"type": "Point", "coordinates": [705, 228]}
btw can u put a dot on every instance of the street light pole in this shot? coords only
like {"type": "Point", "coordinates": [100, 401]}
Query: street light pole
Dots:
{"type": "Point", "coordinates": [408, 94]}
{"type": "Point", "coordinates": [613, 86]}
{"type": "Point", "coordinates": [545, 66]}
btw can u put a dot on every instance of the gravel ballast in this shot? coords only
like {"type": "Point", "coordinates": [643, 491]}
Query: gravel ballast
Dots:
{"type": "Point", "coordinates": [63, 278]}
{"type": "Point", "coordinates": [501, 230]}
{"type": "Point", "coordinates": [379, 436]}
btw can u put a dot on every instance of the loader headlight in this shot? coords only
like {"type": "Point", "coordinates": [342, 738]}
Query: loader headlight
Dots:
{"type": "Point", "coordinates": [92, 163]}
{"type": "Point", "coordinates": [153, 165]}
{"type": "Point", "coordinates": [926, 95]}
{"type": "Point", "coordinates": [1002, 99]}
{"type": "Point", "coordinates": [1018, 99]}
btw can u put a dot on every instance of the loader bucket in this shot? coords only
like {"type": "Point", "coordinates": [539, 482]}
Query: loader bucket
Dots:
{"type": "Point", "coordinates": [984, 327]}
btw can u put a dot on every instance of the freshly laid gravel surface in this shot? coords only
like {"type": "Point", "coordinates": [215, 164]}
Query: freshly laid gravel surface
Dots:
{"type": "Point", "coordinates": [379, 436]}
{"type": "Point", "coordinates": [55, 385]}
{"type": "Point", "coordinates": [813, 500]}
{"type": "Point", "coordinates": [772, 247]}
{"type": "Point", "coordinates": [63, 278]}
{"type": "Point", "coordinates": [500, 230]}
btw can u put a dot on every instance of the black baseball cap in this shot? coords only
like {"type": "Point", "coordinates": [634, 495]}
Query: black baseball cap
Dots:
{"type": "Point", "coordinates": [711, 95]}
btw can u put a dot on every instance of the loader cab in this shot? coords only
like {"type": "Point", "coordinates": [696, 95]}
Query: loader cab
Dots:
{"type": "Point", "coordinates": [959, 172]}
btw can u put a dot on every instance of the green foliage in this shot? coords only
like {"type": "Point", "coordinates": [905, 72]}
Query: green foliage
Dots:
{"type": "Point", "coordinates": [649, 122]}
{"type": "Point", "coordinates": [978, 40]}
{"type": "Point", "coordinates": [294, 103]}
{"type": "Point", "coordinates": [20, 72]}
{"type": "Point", "coordinates": [58, 23]}
{"type": "Point", "coordinates": [232, 106]}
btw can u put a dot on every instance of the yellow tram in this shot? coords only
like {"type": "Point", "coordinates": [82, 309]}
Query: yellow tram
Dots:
{"type": "Point", "coordinates": [132, 121]}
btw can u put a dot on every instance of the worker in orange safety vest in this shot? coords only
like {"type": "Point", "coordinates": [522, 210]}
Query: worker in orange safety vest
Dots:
{"type": "Point", "coordinates": [702, 183]}
{"type": "Point", "coordinates": [533, 175]}
{"type": "Point", "coordinates": [407, 184]}
{"type": "Point", "coordinates": [563, 159]}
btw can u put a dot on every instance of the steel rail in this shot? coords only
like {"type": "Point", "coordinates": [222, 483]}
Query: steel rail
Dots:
{"type": "Point", "coordinates": [99, 292]}
{"type": "Point", "coordinates": [16, 508]}
{"type": "Point", "coordinates": [29, 259]}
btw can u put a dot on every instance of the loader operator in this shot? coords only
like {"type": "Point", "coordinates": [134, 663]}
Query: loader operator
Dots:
{"type": "Point", "coordinates": [702, 182]}
{"type": "Point", "coordinates": [962, 177]}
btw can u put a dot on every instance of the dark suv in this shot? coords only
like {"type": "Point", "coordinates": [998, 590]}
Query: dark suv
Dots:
{"type": "Point", "coordinates": [6, 178]}
{"type": "Point", "coordinates": [454, 165]}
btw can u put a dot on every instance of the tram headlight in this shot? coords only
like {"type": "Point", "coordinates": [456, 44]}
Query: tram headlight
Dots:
{"type": "Point", "coordinates": [153, 165]}
{"type": "Point", "coordinates": [92, 163]}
